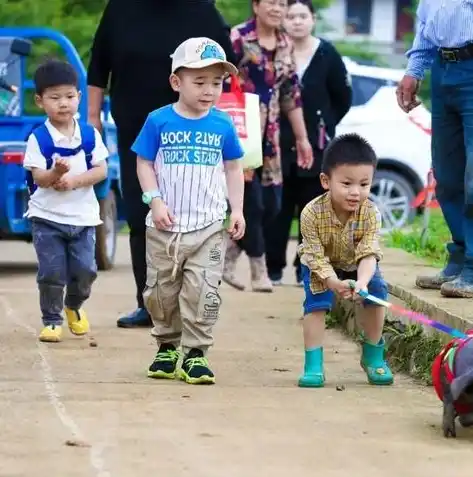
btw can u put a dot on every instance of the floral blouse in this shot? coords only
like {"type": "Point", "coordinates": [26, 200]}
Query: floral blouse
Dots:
{"type": "Point", "coordinates": [272, 76]}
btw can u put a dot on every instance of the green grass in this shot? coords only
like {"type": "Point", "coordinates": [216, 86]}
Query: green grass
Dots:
{"type": "Point", "coordinates": [438, 236]}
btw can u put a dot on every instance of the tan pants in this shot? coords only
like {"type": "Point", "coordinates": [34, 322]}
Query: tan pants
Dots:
{"type": "Point", "coordinates": [182, 285]}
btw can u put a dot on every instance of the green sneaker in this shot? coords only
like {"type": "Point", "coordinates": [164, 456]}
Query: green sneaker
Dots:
{"type": "Point", "coordinates": [195, 368]}
{"type": "Point", "coordinates": [165, 363]}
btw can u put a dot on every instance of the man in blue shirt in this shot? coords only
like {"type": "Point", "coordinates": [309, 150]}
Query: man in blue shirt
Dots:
{"type": "Point", "coordinates": [444, 43]}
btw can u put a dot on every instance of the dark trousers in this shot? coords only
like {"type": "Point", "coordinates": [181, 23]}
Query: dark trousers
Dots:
{"type": "Point", "coordinates": [260, 207]}
{"type": "Point", "coordinates": [136, 212]}
{"type": "Point", "coordinates": [66, 257]}
{"type": "Point", "coordinates": [296, 194]}
{"type": "Point", "coordinates": [452, 150]}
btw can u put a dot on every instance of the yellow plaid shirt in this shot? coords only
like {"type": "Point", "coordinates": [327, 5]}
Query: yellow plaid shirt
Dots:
{"type": "Point", "coordinates": [328, 245]}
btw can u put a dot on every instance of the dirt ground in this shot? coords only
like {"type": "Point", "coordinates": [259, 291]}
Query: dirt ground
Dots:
{"type": "Point", "coordinates": [254, 422]}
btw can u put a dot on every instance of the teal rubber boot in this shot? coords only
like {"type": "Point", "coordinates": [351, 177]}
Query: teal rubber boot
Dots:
{"type": "Point", "coordinates": [374, 364]}
{"type": "Point", "coordinates": [313, 376]}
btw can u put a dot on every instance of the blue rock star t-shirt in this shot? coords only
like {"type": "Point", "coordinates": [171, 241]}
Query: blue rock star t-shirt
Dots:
{"type": "Point", "coordinates": [188, 155]}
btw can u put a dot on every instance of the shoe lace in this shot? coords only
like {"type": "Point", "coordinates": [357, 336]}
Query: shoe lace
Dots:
{"type": "Point", "coordinates": [169, 355]}
{"type": "Point", "coordinates": [198, 361]}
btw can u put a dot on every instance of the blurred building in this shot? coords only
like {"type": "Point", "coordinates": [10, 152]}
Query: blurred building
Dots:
{"type": "Point", "coordinates": [383, 23]}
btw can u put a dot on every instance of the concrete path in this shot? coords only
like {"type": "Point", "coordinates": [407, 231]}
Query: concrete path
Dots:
{"type": "Point", "coordinates": [255, 422]}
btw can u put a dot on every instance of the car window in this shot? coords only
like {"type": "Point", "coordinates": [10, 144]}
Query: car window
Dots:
{"type": "Point", "coordinates": [364, 88]}
{"type": "Point", "coordinates": [10, 74]}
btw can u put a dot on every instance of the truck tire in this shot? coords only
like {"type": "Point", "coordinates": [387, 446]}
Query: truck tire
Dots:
{"type": "Point", "coordinates": [106, 233]}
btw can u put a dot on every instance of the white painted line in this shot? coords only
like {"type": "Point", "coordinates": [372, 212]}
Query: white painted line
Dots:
{"type": "Point", "coordinates": [96, 452]}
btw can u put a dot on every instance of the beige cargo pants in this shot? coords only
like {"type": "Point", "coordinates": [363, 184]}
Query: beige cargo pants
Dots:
{"type": "Point", "coordinates": [184, 272]}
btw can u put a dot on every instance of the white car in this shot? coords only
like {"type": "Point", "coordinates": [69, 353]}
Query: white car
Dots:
{"type": "Point", "coordinates": [401, 141]}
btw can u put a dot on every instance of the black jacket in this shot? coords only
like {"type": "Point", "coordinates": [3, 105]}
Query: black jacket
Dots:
{"type": "Point", "coordinates": [132, 49]}
{"type": "Point", "coordinates": [325, 89]}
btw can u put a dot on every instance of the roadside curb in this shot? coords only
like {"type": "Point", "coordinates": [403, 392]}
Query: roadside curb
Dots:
{"type": "Point", "coordinates": [410, 347]}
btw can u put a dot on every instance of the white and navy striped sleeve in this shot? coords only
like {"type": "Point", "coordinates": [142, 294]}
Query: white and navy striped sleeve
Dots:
{"type": "Point", "coordinates": [146, 145]}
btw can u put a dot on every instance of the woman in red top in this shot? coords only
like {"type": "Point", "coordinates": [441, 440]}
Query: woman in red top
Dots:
{"type": "Point", "coordinates": [266, 64]}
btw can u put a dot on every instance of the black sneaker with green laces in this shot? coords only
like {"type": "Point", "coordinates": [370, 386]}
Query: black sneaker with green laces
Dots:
{"type": "Point", "coordinates": [165, 362]}
{"type": "Point", "coordinates": [195, 368]}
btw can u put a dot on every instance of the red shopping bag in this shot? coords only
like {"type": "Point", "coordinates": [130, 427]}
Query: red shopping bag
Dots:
{"type": "Point", "coordinates": [234, 103]}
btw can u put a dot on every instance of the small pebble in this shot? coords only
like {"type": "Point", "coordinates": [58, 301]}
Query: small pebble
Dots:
{"type": "Point", "coordinates": [76, 443]}
{"type": "Point", "coordinates": [340, 387]}
{"type": "Point", "coordinates": [93, 344]}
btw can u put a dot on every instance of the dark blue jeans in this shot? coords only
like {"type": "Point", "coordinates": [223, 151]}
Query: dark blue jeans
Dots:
{"type": "Point", "coordinates": [66, 257]}
{"type": "Point", "coordinates": [452, 150]}
{"type": "Point", "coordinates": [261, 206]}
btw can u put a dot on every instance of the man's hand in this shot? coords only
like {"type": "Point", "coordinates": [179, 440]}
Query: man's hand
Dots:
{"type": "Point", "coordinates": [61, 166]}
{"type": "Point", "coordinates": [65, 183]}
{"type": "Point", "coordinates": [407, 93]}
{"type": "Point", "coordinates": [341, 287]}
{"type": "Point", "coordinates": [305, 154]}
{"type": "Point", "coordinates": [162, 218]}
{"type": "Point", "coordinates": [96, 122]}
{"type": "Point", "coordinates": [237, 225]}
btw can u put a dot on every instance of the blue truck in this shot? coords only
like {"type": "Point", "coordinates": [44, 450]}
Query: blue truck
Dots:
{"type": "Point", "coordinates": [17, 121]}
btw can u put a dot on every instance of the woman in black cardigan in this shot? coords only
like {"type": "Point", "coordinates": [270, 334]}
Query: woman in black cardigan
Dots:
{"type": "Point", "coordinates": [326, 98]}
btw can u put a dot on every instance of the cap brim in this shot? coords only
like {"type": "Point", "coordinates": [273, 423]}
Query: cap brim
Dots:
{"type": "Point", "coordinates": [229, 68]}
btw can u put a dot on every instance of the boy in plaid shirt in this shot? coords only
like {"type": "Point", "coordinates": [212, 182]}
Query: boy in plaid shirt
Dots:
{"type": "Point", "coordinates": [340, 245]}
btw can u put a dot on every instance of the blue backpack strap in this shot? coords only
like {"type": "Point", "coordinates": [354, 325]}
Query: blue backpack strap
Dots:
{"type": "Point", "coordinates": [47, 149]}
{"type": "Point", "coordinates": [87, 133]}
{"type": "Point", "coordinates": [45, 143]}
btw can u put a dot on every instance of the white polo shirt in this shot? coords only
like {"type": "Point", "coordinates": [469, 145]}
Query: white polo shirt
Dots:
{"type": "Point", "coordinates": [75, 207]}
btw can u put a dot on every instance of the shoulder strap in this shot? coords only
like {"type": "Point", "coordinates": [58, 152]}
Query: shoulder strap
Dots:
{"type": "Point", "coordinates": [87, 133]}
{"type": "Point", "coordinates": [45, 143]}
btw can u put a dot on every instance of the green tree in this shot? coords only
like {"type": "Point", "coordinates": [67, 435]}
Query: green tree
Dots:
{"type": "Point", "coordinates": [78, 19]}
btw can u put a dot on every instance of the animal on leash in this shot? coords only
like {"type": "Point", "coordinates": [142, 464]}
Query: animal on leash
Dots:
{"type": "Point", "coordinates": [452, 377]}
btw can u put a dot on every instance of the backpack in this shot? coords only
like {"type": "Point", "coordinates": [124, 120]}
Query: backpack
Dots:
{"type": "Point", "coordinates": [48, 149]}
{"type": "Point", "coordinates": [444, 370]}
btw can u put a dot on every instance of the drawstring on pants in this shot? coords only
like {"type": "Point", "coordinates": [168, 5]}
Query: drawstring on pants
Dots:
{"type": "Point", "coordinates": [176, 237]}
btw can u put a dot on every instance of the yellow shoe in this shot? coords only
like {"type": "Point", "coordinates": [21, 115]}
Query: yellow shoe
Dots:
{"type": "Point", "coordinates": [77, 320]}
{"type": "Point", "coordinates": [51, 334]}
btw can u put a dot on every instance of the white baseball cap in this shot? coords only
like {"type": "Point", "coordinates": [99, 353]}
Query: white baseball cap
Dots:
{"type": "Point", "coordinates": [201, 52]}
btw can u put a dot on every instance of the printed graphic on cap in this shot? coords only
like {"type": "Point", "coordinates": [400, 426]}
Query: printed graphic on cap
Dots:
{"type": "Point", "coordinates": [211, 52]}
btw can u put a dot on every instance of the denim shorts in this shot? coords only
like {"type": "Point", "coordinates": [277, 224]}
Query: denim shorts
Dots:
{"type": "Point", "coordinates": [323, 301]}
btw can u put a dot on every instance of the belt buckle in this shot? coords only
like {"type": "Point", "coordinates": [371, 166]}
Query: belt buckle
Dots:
{"type": "Point", "coordinates": [450, 56]}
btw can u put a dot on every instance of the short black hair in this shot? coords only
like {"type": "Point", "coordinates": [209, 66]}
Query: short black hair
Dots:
{"type": "Point", "coordinates": [306, 3]}
{"type": "Point", "coordinates": [348, 149]}
{"type": "Point", "coordinates": [52, 73]}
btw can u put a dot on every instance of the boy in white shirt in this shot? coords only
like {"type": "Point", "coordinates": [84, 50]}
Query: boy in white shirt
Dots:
{"type": "Point", "coordinates": [183, 150]}
{"type": "Point", "coordinates": [63, 159]}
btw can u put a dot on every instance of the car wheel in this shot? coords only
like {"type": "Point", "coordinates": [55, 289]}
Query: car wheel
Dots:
{"type": "Point", "coordinates": [393, 195]}
{"type": "Point", "coordinates": [106, 233]}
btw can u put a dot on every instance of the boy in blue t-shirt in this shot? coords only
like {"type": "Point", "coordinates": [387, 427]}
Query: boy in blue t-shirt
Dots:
{"type": "Point", "coordinates": [184, 150]}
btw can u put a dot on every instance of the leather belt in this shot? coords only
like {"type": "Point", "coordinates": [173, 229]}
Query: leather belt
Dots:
{"type": "Point", "coordinates": [455, 55]}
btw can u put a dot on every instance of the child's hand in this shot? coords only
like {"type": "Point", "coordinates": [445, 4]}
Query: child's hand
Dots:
{"type": "Point", "coordinates": [340, 287]}
{"type": "Point", "coordinates": [237, 225]}
{"type": "Point", "coordinates": [61, 166]}
{"type": "Point", "coordinates": [360, 286]}
{"type": "Point", "coordinates": [162, 218]}
{"type": "Point", "coordinates": [65, 183]}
